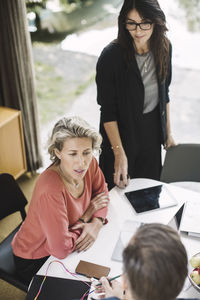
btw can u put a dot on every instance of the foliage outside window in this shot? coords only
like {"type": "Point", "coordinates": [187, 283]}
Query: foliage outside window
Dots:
{"type": "Point", "coordinates": [192, 10]}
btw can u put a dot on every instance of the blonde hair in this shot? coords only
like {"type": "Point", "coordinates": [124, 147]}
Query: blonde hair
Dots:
{"type": "Point", "coordinates": [71, 127]}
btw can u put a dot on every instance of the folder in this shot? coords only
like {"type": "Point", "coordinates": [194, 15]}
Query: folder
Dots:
{"type": "Point", "coordinates": [57, 288]}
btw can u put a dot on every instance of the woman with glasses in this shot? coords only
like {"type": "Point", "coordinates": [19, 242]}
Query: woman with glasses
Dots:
{"type": "Point", "coordinates": [133, 77]}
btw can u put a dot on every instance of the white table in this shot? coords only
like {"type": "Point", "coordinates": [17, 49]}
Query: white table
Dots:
{"type": "Point", "coordinates": [119, 211]}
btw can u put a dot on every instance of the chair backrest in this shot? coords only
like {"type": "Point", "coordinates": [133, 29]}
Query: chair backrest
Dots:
{"type": "Point", "coordinates": [182, 163]}
{"type": "Point", "coordinates": [12, 198]}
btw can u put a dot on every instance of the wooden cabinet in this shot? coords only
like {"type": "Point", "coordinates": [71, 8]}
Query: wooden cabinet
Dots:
{"type": "Point", "coordinates": [12, 152]}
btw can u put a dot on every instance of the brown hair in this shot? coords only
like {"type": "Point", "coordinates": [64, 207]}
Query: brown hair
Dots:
{"type": "Point", "coordinates": [159, 43]}
{"type": "Point", "coordinates": [155, 263]}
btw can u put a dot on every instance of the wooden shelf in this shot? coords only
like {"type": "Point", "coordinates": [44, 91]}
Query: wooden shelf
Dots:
{"type": "Point", "coordinates": [12, 151]}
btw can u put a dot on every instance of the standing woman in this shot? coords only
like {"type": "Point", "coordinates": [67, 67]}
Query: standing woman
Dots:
{"type": "Point", "coordinates": [133, 77]}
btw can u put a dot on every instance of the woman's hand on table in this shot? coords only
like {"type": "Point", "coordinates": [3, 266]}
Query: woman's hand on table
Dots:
{"type": "Point", "coordinates": [98, 202]}
{"type": "Point", "coordinates": [88, 235]}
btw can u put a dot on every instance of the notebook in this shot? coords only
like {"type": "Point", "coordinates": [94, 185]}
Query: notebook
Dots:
{"type": "Point", "coordinates": [57, 288]}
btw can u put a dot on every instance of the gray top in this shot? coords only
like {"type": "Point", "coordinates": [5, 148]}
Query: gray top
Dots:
{"type": "Point", "coordinates": [147, 69]}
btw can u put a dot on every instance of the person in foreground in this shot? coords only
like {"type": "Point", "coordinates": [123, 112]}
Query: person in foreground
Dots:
{"type": "Point", "coordinates": [155, 266]}
{"type": "Point", "coordinates": [69, 202]}
{"type": "Point", "coordinates": [133, 75]}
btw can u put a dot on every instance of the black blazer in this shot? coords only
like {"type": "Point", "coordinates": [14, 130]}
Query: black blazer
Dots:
{"type": "Point", "coordinates": [120, 93]}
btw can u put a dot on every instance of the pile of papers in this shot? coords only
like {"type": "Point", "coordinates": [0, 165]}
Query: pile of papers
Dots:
{"type": "Point", "coordinates": [128, 229]}
{"type": "Point", "coordinates": [190, 221]}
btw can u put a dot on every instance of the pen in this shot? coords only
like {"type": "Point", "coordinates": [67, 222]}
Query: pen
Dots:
{"type": "Point", "coordinates": [113, 278]}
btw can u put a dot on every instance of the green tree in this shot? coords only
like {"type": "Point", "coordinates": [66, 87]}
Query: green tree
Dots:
{"type": "Point", "coordinates": [192, 10]}
{"type": "Point", "coordinates": [35, 6]}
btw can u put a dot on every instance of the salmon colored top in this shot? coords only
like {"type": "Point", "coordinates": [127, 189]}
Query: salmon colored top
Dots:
{"type": "Point", "coordinates": [53, 211]}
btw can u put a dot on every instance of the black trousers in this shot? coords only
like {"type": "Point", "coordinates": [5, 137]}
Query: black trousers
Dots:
{"type": "Point", "coordinates": [145, 161]}
{"type": "Point", "coordinates": [27, 268]}
{"type": "Point", "coordinates": [148, 157]}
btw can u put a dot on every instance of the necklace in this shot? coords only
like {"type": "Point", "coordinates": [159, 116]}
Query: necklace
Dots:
{"type": "Point", "coordinates": [76, 185]}
{"type": "Point", "coordinates": [145, 67]}
{"type": "Point", "coordinates": [146, 64]}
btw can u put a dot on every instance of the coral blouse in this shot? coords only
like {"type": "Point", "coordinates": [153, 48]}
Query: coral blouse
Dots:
{"type": "Point", "coordinates": [53, 211]}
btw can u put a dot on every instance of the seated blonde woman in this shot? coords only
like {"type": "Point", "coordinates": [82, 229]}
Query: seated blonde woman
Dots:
{"type": "Point", "coordinates": [69, 202]}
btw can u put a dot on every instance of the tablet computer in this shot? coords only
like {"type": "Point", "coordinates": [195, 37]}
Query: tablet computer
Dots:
{"type": "Point", "coordinates": [151, 198]}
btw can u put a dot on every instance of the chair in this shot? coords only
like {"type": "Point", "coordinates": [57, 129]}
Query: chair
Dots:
{"type": "Point", "coordinates": [182, 163]}
{"type": "Point", "coordinates": [182, 168]}
{"type": "Point", "coordinates": [12, 200]}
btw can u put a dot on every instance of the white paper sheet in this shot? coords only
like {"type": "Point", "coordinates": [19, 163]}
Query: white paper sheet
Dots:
{"type": "Point", "coordinates": [128, 229]}
{"type": "Point", "coordinates": [191, 217]}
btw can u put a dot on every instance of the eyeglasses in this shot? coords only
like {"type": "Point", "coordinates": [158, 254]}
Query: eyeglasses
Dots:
{"type": "Point", "coordinates": [130, 25]}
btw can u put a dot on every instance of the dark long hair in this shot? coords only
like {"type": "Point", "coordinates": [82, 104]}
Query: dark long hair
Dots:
{"type": "Point", "coordinates": [159, 43]}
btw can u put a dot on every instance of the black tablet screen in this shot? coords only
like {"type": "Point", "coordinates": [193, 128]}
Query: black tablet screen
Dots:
{"type": "Point", "coordinates": [151, 198]}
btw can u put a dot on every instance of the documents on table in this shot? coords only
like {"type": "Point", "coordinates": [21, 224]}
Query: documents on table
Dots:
{"type": "Point", "coordinates": [190, 221]}
{"type": "Point", "coordinates": [129, 227]}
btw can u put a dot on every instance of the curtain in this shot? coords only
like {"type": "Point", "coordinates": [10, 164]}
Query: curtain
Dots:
{"type": "Point", "coordinates": [17, 80]}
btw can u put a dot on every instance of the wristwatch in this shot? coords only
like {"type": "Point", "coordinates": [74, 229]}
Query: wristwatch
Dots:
{"type": "Point", "coordinates": [101, 219]}
{"type": "Point", "coordinates": [82, 220]}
